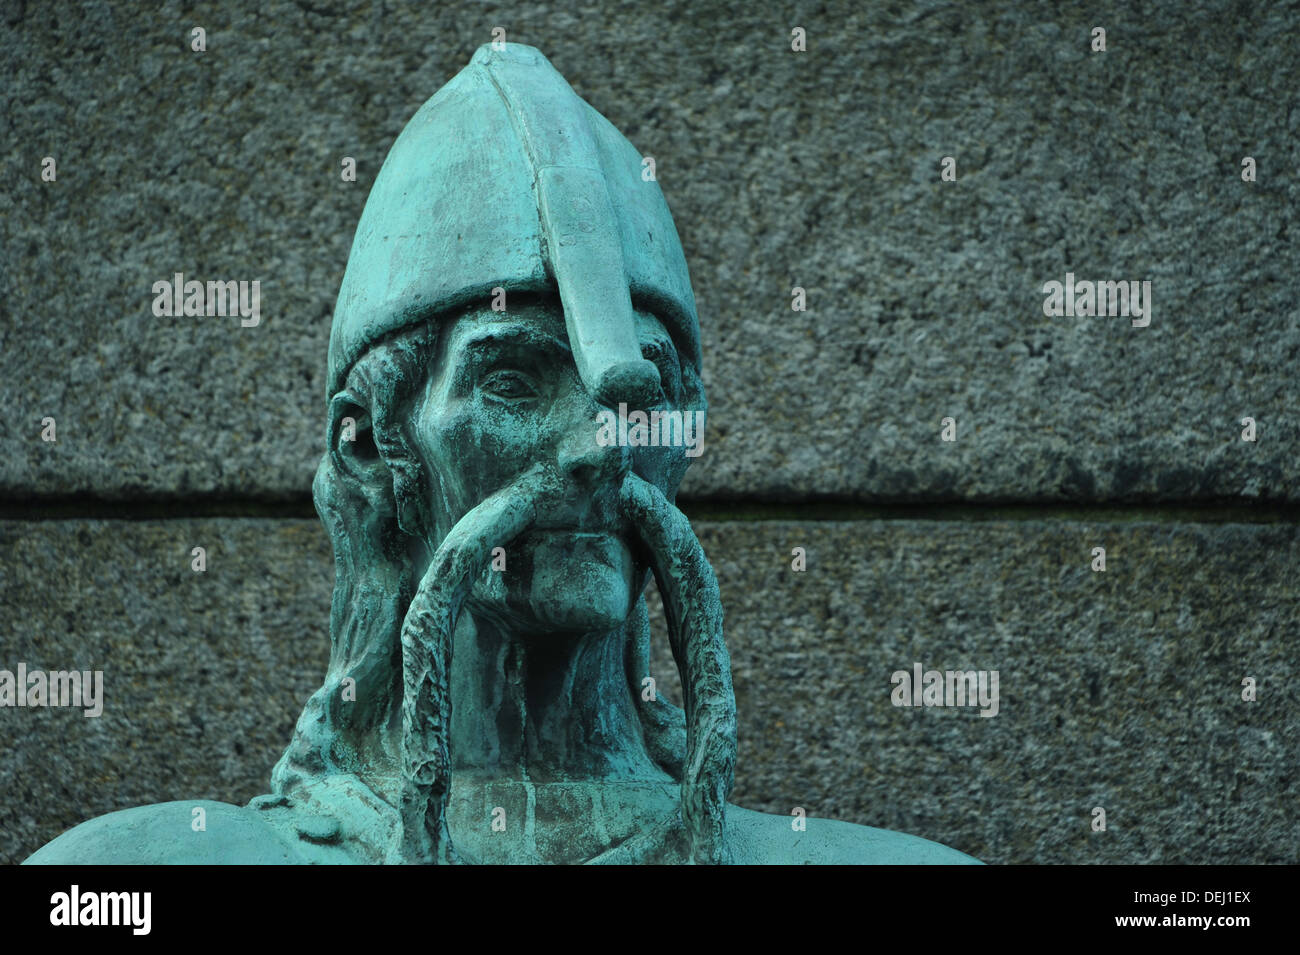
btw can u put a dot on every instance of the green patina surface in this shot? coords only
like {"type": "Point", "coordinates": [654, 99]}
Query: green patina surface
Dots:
{"type": "Point", "coordinates": [514, 275]}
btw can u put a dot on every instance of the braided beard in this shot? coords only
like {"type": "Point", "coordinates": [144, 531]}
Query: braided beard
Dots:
{"type": "Point", "coordinates": [694, 612]}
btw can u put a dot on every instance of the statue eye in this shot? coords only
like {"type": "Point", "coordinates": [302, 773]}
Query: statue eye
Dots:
{"type": "Point", "coordinates": [510, 385]}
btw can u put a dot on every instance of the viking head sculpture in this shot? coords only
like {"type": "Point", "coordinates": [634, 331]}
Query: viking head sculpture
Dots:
{"type": "Point", "coordinates": [513, 275]}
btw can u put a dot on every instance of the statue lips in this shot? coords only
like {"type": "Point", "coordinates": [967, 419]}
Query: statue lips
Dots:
{"type": "Point", "coordinates": [584, 529]}
{"type": "Point", "coordinates": [602, 546]}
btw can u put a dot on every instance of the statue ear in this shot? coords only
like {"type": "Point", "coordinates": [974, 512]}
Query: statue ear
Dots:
{"type": "Point", "coordinates": [379, 461]}
{"type": "Point", "coordinates": [352, 442]}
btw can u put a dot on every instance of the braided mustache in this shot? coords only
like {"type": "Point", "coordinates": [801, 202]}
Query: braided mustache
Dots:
{"type": "Point", "coordinates": [694, 615]}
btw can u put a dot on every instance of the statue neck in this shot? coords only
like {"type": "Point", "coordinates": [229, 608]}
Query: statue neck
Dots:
{"type": "Point", "coordinates": [544, 708]}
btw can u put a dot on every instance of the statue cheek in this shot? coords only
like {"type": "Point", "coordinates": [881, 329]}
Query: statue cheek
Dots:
{"type": "Point", "coordinates": [490, 447]}
{"type": "Point", "coordinates": [662, 467]}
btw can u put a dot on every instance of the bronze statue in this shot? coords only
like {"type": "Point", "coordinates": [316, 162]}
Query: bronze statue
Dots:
{"type": "Point", "coordinates": [514, 277]}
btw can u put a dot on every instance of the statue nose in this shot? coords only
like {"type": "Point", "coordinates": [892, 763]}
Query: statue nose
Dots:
{"type": "Point", "coordinates": [582, 457]}
{"type": "Point", "coordinates": [590, 464]}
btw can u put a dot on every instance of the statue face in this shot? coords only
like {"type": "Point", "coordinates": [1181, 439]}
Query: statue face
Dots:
{"type": "Point", "coordinates": [504, 394]}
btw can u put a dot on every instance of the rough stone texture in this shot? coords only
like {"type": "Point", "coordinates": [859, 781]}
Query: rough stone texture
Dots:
{"type": "Point", "coordinates": [818, 169]}
{"type": "Point", "coordinates": [1119, 690]}
{"type": "Point", "coordinates": [204, 674]}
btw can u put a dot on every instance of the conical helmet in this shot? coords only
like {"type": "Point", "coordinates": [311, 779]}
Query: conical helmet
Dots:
{"type": "Point", "coordinates": [507, 178]}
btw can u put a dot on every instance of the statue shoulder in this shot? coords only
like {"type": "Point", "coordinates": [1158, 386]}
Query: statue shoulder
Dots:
{"type": "Point", "coordinates": [758, 838]}
{"type": "Point", "coordinates": [167, 834]}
